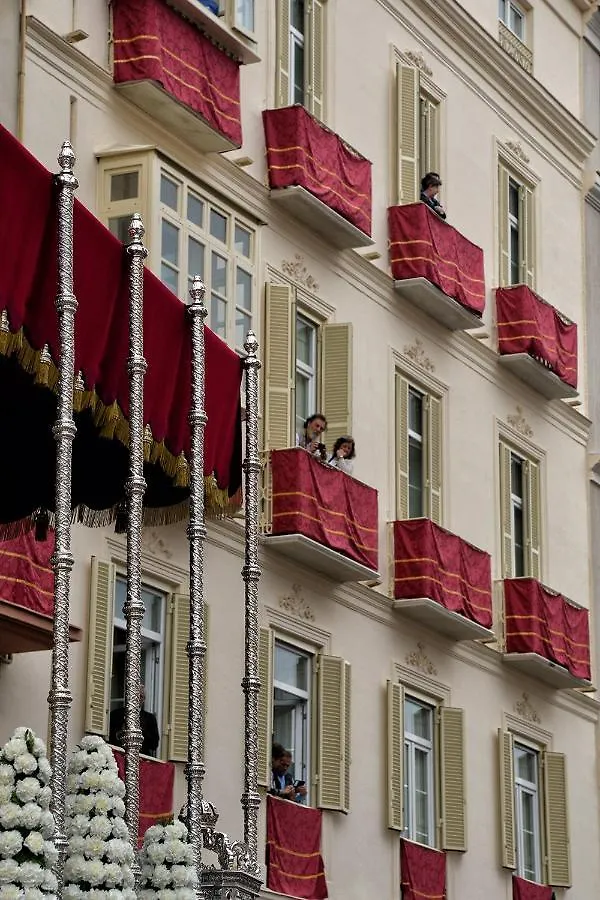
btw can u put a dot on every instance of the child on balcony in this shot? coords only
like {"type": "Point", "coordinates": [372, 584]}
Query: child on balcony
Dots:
{"type": "Point", "coordinates": [344, 451]}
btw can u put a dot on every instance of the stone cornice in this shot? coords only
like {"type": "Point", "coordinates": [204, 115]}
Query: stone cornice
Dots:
{"type": "Point", "coordinates": [593, 195]}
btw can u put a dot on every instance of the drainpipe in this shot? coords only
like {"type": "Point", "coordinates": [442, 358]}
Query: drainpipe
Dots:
{"type": "Point", "coordinates": [21, 70]}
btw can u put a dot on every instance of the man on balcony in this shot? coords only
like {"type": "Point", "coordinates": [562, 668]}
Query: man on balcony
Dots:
{"type": "Point", "coordinates": [430, 186]}
{"type": "Point", "coordinates": [282, 783]}
{"type": "Point", "coordinates": [310, 439]}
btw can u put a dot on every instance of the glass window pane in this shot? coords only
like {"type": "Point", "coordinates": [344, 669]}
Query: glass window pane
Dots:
{"type": "Point", "coordinates": [422, 789]}
{"type": "Point", "coordinates": [297, 15]}
{"type": "Point", "coordinates": [219, 274]}
{"type": "Point", "coordinates": [519, 542]}
{"type": "Point", "coordinates": [119, 226]}
{"type": "Point", "coordinates": [243, 295]}
{"type": "Point", "coordinates": [154, 604]}
{"type": "Point", "coordinates": [195, 264]}
{"type": "Point", "coordinates": [516, 22]}
{"type": "Point", "coordinates": [291, 667]}
{"type": "Point", "coordinates": [243, 324]}
{"type": "Point", "coordinates": [502, 10]}
{"type": "Point", "coordinates": [169, 192]}
{"type": "Point", "coordinates": [513, 199]}
{"type": "Point", "coordinates": [124, 186]}
{"type": "Point", "coordinates": [415, 478]}
{"type": "Point", "coordinates": [298, 71]}
{"type": "Point", "coordinates": [120, 596]}
{"type": "Point", "coordinates": [305, 332]}
{"type": "Point", "coordinates": [415, 411]}
{"type": "Point", "coordinates": [218, 225]}
{"type": "Point", "coordinates": [244, 14]}
{"type": "Point", "coordinates": [516, 476]}
{"type": "Point", "coordinates": [170, 277]}
{"type": "Point", "coordinates": [417, 719]}
{"type": "Point", "coordinates": [302, 400]}
{"type": "Point", "coordinates": [218, 313]}
{"type": "Point", "coordinates": [195, 209]}
{"type": "Point", "coordinates": [407, 807]}
{"type": "Point", "coordinates": [526, 764]}
{"type": "Point", "coordinates": [169, 249]}
{"type": "Point", "coordinates": [243, 241]}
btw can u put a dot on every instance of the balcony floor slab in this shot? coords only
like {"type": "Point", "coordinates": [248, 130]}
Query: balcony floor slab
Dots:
{"type": "Point", "coordinates": [435, 303]}
{"type": "Point", "coordinates": [24, 631]}
{"type": "Point", "coordinates": [435, 616]}
{"type": "Point", "coordinates": [314, 555]}
{"type": "Point", "coordinates": [336, 230]}
{"type": "Point", "coordinates": [538, 376]}
{"type": "Point", "coordinates": [545, 670]}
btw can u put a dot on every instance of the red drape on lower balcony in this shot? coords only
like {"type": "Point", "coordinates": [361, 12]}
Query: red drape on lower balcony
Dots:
{"type": "Point", "coordinates": [301, 151]}
{"type": "Point", "coordinates": [527, 324]}
{"type": "Point", "coordinates": [432, 562]}
{"type": "Point", "coordinates": [26, 576]}
{"type": "Point", "coordinates": [528, 890]}
{"type": "Point", "coordinates": [153, 42]}
{"type": "Point", "coordinates": [422, 872]}
{"type": "Point", "coordinates": [540, 621]}
{"type": "Point", "coordinates": [294, 862]}
{"type": "Point", "coordinates": [424, 246]}
{"type": "Point", "coordinates": [156, 790]}
{"type": "Point", "coordinates": [324, 504]}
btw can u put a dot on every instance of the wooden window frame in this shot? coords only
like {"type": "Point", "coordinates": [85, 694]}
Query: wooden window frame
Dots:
{"type": "Point", "coordinates": [510, 167]}
{"type": "Point", "coordinates": [508, 442]}
{"type": "Point", "coordinates": [432, 752]}
{"type": "Point", "coordinates": [313, 40]}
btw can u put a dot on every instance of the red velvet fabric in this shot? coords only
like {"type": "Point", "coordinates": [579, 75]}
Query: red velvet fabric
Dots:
{"type": "Point", "coordinates": [152, 42]}
{"type": "Point", "coordinates": [432, 562]}
{"type": "Point", "coordinates": [156, 790]}
{"type": "Point", "coordinates": [26, 576]}
{"type": "Point", "coordinates": [324, 504]}
{"type": "Point", "coordinates": [28, 274]}
{"type": "Point", "coordinates": [541, 621]}
{"type": "Point", "coordinates": [424, 246]}
{"type": "Point", "coordinates": [527, 324]}
{"type": "Point", "coordinates": [422, 872]}
{"type": "Point", "coordinates": [294, 862]}
{"type": "Point", "coordinates": [528, 890]}
{"type": "Point", "coordinates": [301, 151]}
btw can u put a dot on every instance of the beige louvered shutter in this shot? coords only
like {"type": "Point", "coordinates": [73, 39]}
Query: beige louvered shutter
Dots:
{"type": "Point", "coordinates": [435, 458]}
{"type": "Point", "coordinates": [452, 772]}
{"type": "Point", "coordinates": [532, 482]}
{"type": "Point", "coordinates": [508, 852]}
{"type": "Point", "coordinates": [407, 115]}
{"type": "Point", "coordinates": [336, 380]}
{"type": "Point", "coordinates": [503, 238]}
{"type": "Point", "coordinates": [557, 819]}
{"type": "Point", "coordinates": [401, 447]}
{"type": "Point", "coordinates": [506, 512]}
{"type": "Point", "coordinates": [280, 326]}
{"type": "Point", "coordinates": [265, 705]}
{"type": "Point", "coordinates": [179, 679]}
{"type": "Point", "coordinates": [527, 233]}
{"type": "Point", "coordinates": [100, 646]}
{"type": "Point", "coordinates": [282, 47]}
{"type": "Point", "coordinates": [316, 65]}
{"type": "Point", "coordinates": [333, 738]}
{"type": "Point", "coordinates": [395, 756]}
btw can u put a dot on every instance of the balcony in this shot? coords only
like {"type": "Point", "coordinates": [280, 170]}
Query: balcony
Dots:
{"type": "Point", "coordinates": [435, 267]}
{"type": "Point", "coordinates": [536, 342]}
{"type": "Point", "coordinates": [320, 517]}
{"type": "Point", "coordinates": [205, 14]}
{"type": "Point", "coordinates": [167, 66]}
{"type": "Point", "coordinates": [442, 581]}
{"type": "Point", "coordinates": [295, 866]}
{"type": "Point", "coordinates": [422, 871]}
{"type": "Point", "coordinates": [546, 636]}
{"type": "Point", "coordinates": [318, 178]}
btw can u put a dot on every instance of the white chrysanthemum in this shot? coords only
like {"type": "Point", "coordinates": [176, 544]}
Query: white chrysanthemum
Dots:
{"type": "Point", "coordinates": [44, 798]}
{"type": "Point", "coordinates": [156, 853]}
{"type": "Point", "coordinates": [10, 815]}
{"type": "Point", "coordinates": [31, 874]}
{"type": "Point", "coordinates": [26, 763]}
{"type": "Point", "coordinates": [72, 892]}
{"type": "Point", "coordinates": [10, 892]}
{"type": "Point", "coordinates": [35, 842]}
{"type": "Point", "coordinates": [119, 828]}
{"type": "Point", "coordinates": [6, 792]}
{"type": "Point", "coordinates": [39, 747]}
{"type": "Point", "coordinates": [113, 875]}
{"type": "Point", "coordinates": [94, 871]}
{"type": "Point", "coordinates": [10, 843]}
{"type": "Point", "coordinates": [9, 869]}
{"type": "Point", "coordinates": [7, 774]}
{"type": "Point", "coordinates": [13, 748]}
{"type": "Point", "coordinates": [75, 865]}
{"type": "Point", "coordinates": [49, 883]}
{"type": "Point", "coordinates": [50, 853]}
{"type": "Point", "coordinates": [45, 769]}
{"type": "Point", "coordinates": [95, 846]}
{"type": "Point", "coordinates": [46, 825]}
{"type": "Point", "coordinates": [101, 826]}
{"type": "Point", "coordinates": [79, 825]}
{"type": "Point", "coordinates": [31, 815]}
{"type": "Point", "coordinates": [102, 802]}
{"type": "Point", "coordinates": [90, 780]}
{"type": "Point", "coordinates": [118, 850]}
{"type": "Point", "coordinates": [118, 807]}
{"type": "Point", "coordinates": [27, 789]}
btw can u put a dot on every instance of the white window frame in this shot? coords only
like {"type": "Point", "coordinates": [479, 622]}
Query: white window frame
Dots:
{"type": "Point", "coordinates": [506, 9]}
{"type": "Point", "coordinates": [302, 730]}
{"type": "Point", "coordinates": [522, 788]}
{"type": "Point", "coordinates": [412, 743]}
{"type": "Point", "coordinates": [237, 23]}
{"type": "Point", "coordinates": [514, 224]}
{"type": "Point", "coordinates": [297, 40]}
{"type": "Point", "coordinates": [418, 437]}
{"type": "Point", "coordinates": [309, 373]}
{"type": "Point", "coordinates": [517, 503]}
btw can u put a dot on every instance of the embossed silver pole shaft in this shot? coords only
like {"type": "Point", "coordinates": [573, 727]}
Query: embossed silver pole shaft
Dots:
{"type": "Point", "coordinates": [251, 575]}
{"type": "Point", "coordinates": [135, 488]}
{"type": "Point", "coordinates": [62, 561]}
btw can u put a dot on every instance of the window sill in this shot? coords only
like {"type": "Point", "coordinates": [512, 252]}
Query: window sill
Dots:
{"type": "Point", "coordinates": [233, 40]}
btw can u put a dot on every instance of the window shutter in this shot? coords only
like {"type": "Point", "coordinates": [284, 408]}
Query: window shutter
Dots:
{"type": "Point", "coordinates": [179, 690]}
{"type": "Point", "coordinates": [557, 819]}
{"type": "Point", "coordinates": [336, 380]}
{"type": "Point", "coordinates": [533, 519]}
{"type": "Point", "coordinates": [265, 705]}
{"type": "Point", "coordinates": [527, 232]}
{"type": "Point", "coordinates": [407, 112]}
{"type": "Point", "coordinates": [505, 511]}
{"type": "Point", "coordinates": [317, 44]}
{"type": "Point", "coordinates": [452, 760]}
{"type": "Point", "coordinates": [434, 450]}
{"type": "Point", "coordinates": [279, 366]}
{"type": "Point", "coordinates": [282, 44]}
{"type": "Point", "coordinates": [395, 755]}
{"type": "Point", "coordinates": [333, 733]}
{"type": "Point", "coordinates": [507, 800]}
{"type": "Point", "coordinates": [401, 447]}
{"type": "Point", "coordinates": [504, 258]}
{"type": "Point", "coordinates": [100, 646]}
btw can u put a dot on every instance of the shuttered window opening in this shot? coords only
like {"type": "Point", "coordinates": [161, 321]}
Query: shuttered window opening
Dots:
{"type": "Point", "coordinates": [418, 128]}
{"type": "Point", "coordinates": [520, 514]}
{"type": "Point", "coordinates": [516, 229]}
{"type": "Point", "coordinates": [301, 46]}
{"type": "Point", "coordinates": [419, 452]}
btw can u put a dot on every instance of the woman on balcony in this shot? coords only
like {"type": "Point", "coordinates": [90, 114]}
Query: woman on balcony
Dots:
{"type": "Point", "coordinates": [344, 451]}
{"type": "Point", "coordinates": [430, 187]}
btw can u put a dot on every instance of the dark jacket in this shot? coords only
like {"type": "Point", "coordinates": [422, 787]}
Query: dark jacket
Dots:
{"type": "Point", "coordinates": [433, 204]}
{"type": "Point", "coordinates": [275, 791]}
{"type": "Point", "coordinates": [148, 724]}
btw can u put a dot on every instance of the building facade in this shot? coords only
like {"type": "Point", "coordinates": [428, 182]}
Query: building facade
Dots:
{"type": "Point", "coordinates": [424, 629]}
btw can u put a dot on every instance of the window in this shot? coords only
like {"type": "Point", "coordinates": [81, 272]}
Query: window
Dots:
{"type": "Point", "coordinates": [123, 193]}
{"type": "Point", "coordinates": [308, 368]}
{"type": "Point", "coordinates": [513, 16]}
{"type": "Point", "coordinates": [426, 769]}
{"type": "Point", "coordinates": [527, 812]}
{"type": "Point", "coordinates": [244, 15]}
{"type": "Point", "coordinates": [418, 452]}
{"type": "Point", "coordinates": [520, 513]}
{"type": "Point", "coordinates": [304, 703]}
{"type": "Point", "coordinates": [417, 130]}
{"type": "Point", "coordinates": [516, 228]}
{"type": "Point", "coordinates": [301, 45]}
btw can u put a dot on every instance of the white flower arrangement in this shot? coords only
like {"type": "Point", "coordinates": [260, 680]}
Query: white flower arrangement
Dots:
{"type": "Point", "coordinates": [167, 863]}
{"type": "Point", "coordinates": [99, 856]}
{"type": "Point", "coordinates": [27, 852]}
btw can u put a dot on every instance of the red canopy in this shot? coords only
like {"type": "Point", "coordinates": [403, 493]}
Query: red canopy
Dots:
{"type": "Point", "coordinates": [28, 273]}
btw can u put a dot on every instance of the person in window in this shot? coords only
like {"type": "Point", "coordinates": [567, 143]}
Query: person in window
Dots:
{"type": "Point", "coordinates": [343, 453]}
{"type": "Point", "coordinates": [310, 439]}
{"type": "Point", "coordinates": [282, 783]}
{"type": "Point", "coordinates": [148, 723]}
{"type": "Point", "coordinates": [430, 187]}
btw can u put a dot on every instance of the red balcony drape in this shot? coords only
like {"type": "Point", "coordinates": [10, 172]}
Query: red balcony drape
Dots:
{"type": "Point", "coordinates": [528, 890]}
{"type": "Point", "coordinates": [540, 621]}
{"type": "Point", "coordinates": [527, 324]}
{"type": "Point", "coordinates": [432, 562]}
{"type": "Point", "coordinates": [26, 576]}
{"type": "Point", "coordinates": [324, 504]}
{"type": "Point", "coordinates": [156, 790]}
{"type": "Point", "coordinates": [294, 862]}
{"type": "Point", "coordinates": [153, 42]}
{"type": "Point", "coordinates": [422, 872]}
{"type": "Point", "coordinates": [424, 246]}
{"type": "Point", "coordinates": [301, 151]}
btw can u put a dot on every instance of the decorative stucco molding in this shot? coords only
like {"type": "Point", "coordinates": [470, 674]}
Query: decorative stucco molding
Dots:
{"type": "Point", "coordinates": [296, 269]}
{"type": "Point", "coordinates": [516, 148]}
{"type": "Point", "coordinates": [526, 710]}
{"type": "Point", "coordinates": [519, 423]}
{"type": "Point", "coordinates": [418, 60]}
{"type": "Point", "coordinates": [154, 544]}
{"type": "Point", "coordinates": [296, 605]}
{"type": "Point", "coordinates": [416, 353]}
{"type": "Point", "coordinates": [418, 659]}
